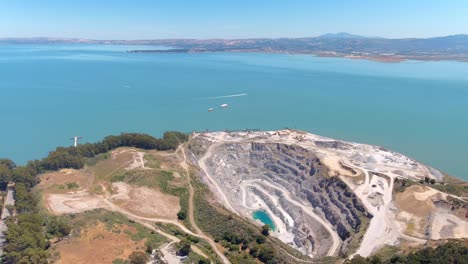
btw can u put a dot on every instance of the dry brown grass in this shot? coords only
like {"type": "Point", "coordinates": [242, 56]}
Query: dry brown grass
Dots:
{"type": "Point", "coordinates": [115, 163]}
{"type": "Point", "coordinates": [148, 202]}
{"type": "Point", "coordinates": [98, 245]}
{"type": "Point", "coordinates": [56, 182]}
{"type": "Point", "coordinates": [406, 201]}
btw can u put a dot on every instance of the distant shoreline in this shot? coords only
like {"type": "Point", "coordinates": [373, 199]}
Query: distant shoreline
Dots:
{"type": "Point", "coordinates": [377, 58]}
{"type": "Point", "coordinates": [449, 48]}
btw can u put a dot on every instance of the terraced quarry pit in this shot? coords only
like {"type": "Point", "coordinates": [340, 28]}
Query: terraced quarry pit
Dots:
{"type": "Point", "coordinates": [326, 197]}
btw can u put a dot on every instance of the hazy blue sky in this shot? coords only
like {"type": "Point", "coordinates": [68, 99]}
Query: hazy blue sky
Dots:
{"type": "Point", "coordinates": [144, 19]}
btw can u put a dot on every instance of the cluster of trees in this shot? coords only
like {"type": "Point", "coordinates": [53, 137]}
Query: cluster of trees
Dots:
{"type": "Point", "coordinates": [450, 252]}
{"type": "Point", "coordinates": [28, 230]}
{"type": "Point", "coordinates": [10, 172]}
{"type": "Point", "coordinates": [183, 247]}
{"type": "Point", "coordinates": [451, 185]}
{"type": "Point", "coordinates": [428, 180]}
{"type": "Point", "coordinates": [75, 157]}
{"type": "Point", "coordinates": [254, 244]}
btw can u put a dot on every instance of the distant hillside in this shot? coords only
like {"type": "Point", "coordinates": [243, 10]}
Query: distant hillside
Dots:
{"type": "Point", "coordinates": [453, 47]}
{"type": "Point", "coordinates": [341, 35]}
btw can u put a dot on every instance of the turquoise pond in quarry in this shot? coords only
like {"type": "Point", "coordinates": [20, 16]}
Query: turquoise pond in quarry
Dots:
{"type": "Point", "coordinates": [265, 218]}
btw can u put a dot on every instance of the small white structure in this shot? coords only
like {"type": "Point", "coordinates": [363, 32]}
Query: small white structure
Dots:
{"type": "Point", "coordinates": [75, 138]}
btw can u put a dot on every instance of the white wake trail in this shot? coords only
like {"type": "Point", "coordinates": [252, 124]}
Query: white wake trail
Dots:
{"type": "Point", "coordinates": [224, 96]}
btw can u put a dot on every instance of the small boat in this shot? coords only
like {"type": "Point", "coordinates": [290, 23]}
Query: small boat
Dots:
{"type": "Point", "coordinates": [210, 109]}
{"type": "Point", "coordinates": [224, 105]}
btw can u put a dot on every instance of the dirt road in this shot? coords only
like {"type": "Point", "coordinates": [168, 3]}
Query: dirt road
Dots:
{"type": "Point", "coordinates": [202, 165]}
{"type": "Point", "coordinates": [191, 214]}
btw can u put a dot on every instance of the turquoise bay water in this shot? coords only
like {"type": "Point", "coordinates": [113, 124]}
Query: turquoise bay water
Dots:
{"type": "Point", "coordinates": [52, 92]}
{"type": "Point", "coordinates": [264, 218]}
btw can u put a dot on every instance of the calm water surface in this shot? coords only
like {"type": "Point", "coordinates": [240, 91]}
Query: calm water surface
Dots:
{"type": "Point", "coordinates": [52, 92]}
{"type": "Point", "coordinates": [264, 217]}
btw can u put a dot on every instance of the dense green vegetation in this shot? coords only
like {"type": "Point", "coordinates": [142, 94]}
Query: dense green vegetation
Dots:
{"type": "Point", "coordinates": [451, 185]}
{"type": "Point", "coordinates": [29, 230]}
{"type": "Point", "coordinates": [400, 185]}
{"type": "Point", "coordinates": [183, 247]}
{"type": "Point", "coordinates": [451, 252]}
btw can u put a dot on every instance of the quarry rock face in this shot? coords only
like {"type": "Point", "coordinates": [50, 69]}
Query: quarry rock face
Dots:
{"type": "Point", "coordinates": [319, 192]}
{"type": "Point", "coordinates": [296, 171]}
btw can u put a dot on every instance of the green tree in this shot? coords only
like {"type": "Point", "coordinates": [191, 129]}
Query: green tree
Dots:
{"type": "Point", "coordinates": [58, 228]}
{"type": "Point", "coordinates": [183, 248]}
{"type": "Point", "coordinates": [266, 254]}
{"type": "Point", "coordinates": [5, 176]}
{"type": "Point", "coordinates": [203, 261]}
{"type": "Point", "coordinates": [181, 215]}
{"type": "Point", "coordinates": [265, 230]}
{"type": "Point", "coordinates": [261, 239]}
{"type": "Point", "coordinates": [138, 257]}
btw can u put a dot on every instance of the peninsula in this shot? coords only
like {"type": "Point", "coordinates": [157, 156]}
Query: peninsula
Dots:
{"type": "Point", "coordinates": [196, 198]}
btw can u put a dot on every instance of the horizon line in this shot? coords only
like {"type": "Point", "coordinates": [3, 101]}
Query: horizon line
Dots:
{"type": "Point", "coordinates": [220, 38]}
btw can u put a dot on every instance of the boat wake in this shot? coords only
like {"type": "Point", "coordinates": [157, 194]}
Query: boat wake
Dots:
{"type": "Point", "coordinates": [224, 96]}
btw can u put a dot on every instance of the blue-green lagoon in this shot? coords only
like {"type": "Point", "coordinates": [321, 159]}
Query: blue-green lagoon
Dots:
{"type": "Point", "coordinates": [52, 92]}
{"type": "Point", "coordinates": [265, 218]}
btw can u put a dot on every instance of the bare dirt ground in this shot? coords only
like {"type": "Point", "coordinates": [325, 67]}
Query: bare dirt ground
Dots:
{"type": "Point", "coordinates": [415, 200]}
{"type": "Point", "coordinates": [73, 202]}
{"type": "Point", "coordinates": [142, 201]}
{"type": "Point", "coordinates": [416, 210]}
{"type": "Point", "coordinates": [97, 245]}
{"type": "Point", "coordinates": [137, 160]}
{"type": "Point", "coordinates": [145, 201]}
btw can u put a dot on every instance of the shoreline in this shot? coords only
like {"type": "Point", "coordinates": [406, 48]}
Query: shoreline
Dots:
{"type": "Point", "coordinates": [376, 58]}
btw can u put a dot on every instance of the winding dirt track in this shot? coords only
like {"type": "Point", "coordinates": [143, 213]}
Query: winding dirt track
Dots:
{"type": "Point", "coordinates": [199, 232]}
{"type": "Point", "coordinates": [144, 221]}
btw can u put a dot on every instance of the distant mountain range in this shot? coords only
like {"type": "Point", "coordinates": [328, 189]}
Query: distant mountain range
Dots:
{"type": "Point", "coordinates": [341, 35]}
{"type": "Point", "coordinates": [342, 44]}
